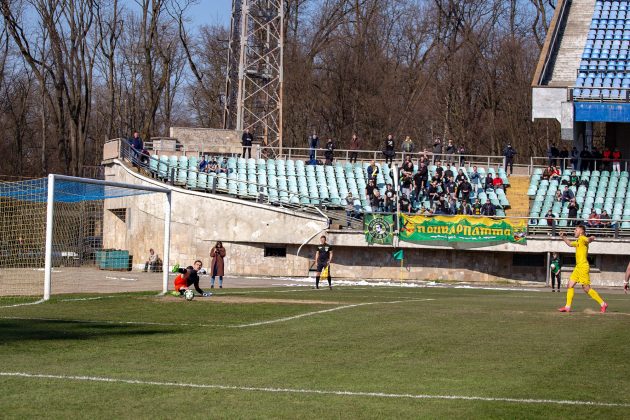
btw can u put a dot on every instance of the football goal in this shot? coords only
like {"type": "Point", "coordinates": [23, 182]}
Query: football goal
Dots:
{"type": "Point", "coordinates": [68, 235]}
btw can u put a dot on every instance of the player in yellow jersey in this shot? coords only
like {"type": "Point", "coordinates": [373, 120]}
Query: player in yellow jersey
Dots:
{"type": "Point", "coordinates": [581, 272]}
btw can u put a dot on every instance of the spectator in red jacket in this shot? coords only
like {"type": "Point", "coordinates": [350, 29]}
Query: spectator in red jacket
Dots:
{"type": "Point", "coordinates": [497, 182]}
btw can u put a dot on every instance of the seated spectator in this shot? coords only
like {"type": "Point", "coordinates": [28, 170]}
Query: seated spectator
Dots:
{"type": "Point", "coordinates": [605, 221]}
{"type": "Point", "coordinates": [488, 209]}
{"type": "Point", "coordinates": [573, 212]}
{"type": "Point", "coordinates": [497, 182]}
{"type": "Point", "coordinates": [390, 199]}
{"type": "Point", "coordinates": [405, 204]}
{"type": "Point", "coordinates": [213, 166]}
{"type": "Point", "coordinates": [372, 170]}
{"type": "Point", "coordinates": [574, 180]}
{"type": "Point", "coordinates": [546, 175]}
{"type": "Point", "coordinates": [567, 194]}
{"type": "Point", "coordinates": [442, 206]}
{"type": "Point", "coordinates": [593, 220]}
{"type": "Point", "coordinates": [376, 201]}
{"type": "Point", "coordinates": [452, 206]}
{"type": "Point", "coordinates": [555, 173]}
{"type": "Point", "coordinates": [465, 208]}
{"type": "Point", "coordinates": [558, 196]}
{"type": "Point", "coordinates": [476, 207]}
{"type": "Point", "coordinates": [369, 189]}
{"type": "Point", "coordinates": [550, 217]}
{"type": "Point", "coordinates": [152, 264]}
{"type": "Point", "coordinates": [449, 187]}
{"type": "Point", "coordinates": [488, 181]}
{"type": "Point", "coordinates": [461, 176]}
{"type": "Point", "coordinates": [203, 164]}
{"type": "Point", "coordinates": [224, 166]}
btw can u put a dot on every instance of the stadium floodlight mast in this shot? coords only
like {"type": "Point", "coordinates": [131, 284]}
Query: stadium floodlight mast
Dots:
{"type": "Point", "coordinates": [254, 82]}
{"type": "Point", "coordinates": [50, 213]}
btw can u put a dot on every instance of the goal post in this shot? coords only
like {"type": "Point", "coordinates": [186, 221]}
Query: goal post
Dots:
{"type": "Point", "coordinates": [81, 235]}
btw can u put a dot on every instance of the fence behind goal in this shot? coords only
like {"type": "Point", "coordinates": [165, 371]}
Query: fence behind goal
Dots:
{"type": "Point", "coordinates": [82, 236]}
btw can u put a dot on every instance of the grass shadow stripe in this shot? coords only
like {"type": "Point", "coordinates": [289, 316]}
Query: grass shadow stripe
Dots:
{"type": "Point", "coordinates": [313, 391]}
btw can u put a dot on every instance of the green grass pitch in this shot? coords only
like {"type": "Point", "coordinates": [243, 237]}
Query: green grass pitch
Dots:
{"type": "Point", "coordinates": [354, 352]}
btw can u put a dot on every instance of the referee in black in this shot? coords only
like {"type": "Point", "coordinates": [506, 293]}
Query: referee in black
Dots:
{"type": "Point", "coordinates": [323, 258]}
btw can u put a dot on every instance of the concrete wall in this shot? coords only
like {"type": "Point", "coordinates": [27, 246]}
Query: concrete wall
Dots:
{"type": "Point", "coordinates": [246, 228]}
{"type": "Point", "coordinates": [208, 139]}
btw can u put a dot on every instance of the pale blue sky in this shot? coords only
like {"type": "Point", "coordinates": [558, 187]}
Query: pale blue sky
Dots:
{"type": "Point", "coordinates": [211, 12]}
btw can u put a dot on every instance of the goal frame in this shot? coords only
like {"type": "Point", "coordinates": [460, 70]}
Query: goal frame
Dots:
{"type": "Point", "coordinates": [50, 208]}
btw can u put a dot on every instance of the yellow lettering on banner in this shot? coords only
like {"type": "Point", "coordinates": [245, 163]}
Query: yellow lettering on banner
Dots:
{"type": "Point", "coordinates": [451, 231]}
{"type": "Point", "coordinates": [445, 230]}
{"type": "Point", "coordinates": [467, 230]}
{"type": "Point", "coordinates": [421, 229]}
{"type": "Point", "coordinates": [507, 232]}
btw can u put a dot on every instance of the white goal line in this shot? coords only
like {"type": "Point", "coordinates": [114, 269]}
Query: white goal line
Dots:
{"type": "Point", "coordinates": [312, 391]}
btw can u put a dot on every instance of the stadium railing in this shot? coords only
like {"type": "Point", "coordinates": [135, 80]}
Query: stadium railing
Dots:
{"type": "Point", "coordinates": [566, 163]}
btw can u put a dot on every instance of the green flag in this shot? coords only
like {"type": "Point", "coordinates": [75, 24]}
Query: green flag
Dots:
{"type": "Point", "coordinates": [399, 255]}
{"type": "Point", "coordinates": [379, 228]}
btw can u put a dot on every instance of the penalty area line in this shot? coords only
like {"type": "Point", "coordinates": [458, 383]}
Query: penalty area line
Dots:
{"type": "Point", "coordinates": [337, 308]}
{"type": "Point", "coordinates": [311, 391]}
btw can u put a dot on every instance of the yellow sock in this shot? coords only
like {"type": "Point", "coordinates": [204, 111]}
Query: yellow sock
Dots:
{"type": "Point", "coordinates": [570, 293]}
{"type": "Point", "coordinates": [592, 293]}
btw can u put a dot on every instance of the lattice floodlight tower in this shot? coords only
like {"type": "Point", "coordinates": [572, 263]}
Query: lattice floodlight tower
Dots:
{"type": "Point", "coordinates": [77, 235]}
{"type": "Point", "coordinates": [255, 79]}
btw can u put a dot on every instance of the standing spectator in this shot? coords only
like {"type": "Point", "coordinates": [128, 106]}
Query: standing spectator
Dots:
{"type": "Point", "coordinates": [462, 152]}
{"type": "Point", "coordinates": [407, 166]}
{"type": "Point", "coordinates": [349, 209]}
{"type": "Point", "coordinates": [247, 140]}
{"type": "Point", "coordinates": [450, 150]}
{"type": "Point", "coordinates": [355, 145]}
{"type": "Point", "coordinates": [420, 180]}
{"type": "Point", "coordinates": [390, 199]}
{"type": "Point", "coordinates": [405, 204]}
{"type": "Point", "coordinates": [217, 253]}
{"type": "Point", "coordinates": [575, 156]}
{"type": "Point", "coordinates": [564, 157]}
{"type": "Point", "coordinates": [555, 267]}
{"type": "Point", "coordinates": [550, 217]}
{"type": "Point", "coordinates": [585, 160]}
{"type": "Point", "coordinates": [376, 202]}
{"type": "Point", "coordinates": [596, 159]}
{"type": "Point", "coordinates": [509, 152]}
{"type": "Point", "coordinates": [488, 209]}
{"type": "Point", "coordinates": [573, 212]}
{"type": "Point", "coordinates": [330, 151]}
{"type": "Point", "coordinates": [497, 182]}
{"type": "Point", "coordinates": [433, 192]}
{"type": "Point", "coordinates": [437, 149]}
{"type": "Point", "coordinates": [606, 156]}
{"type": "Point", "coordinates": [448, 173]}
{"type": "Point", "coordinates": [463, 190]}
{"type": "Point", "coordinates": [461, 176]}
{"type": "Point", "coordinates": [313, 144]}
{"type": "Point", "coordinates": [616, 159]}
{"type": "Point", "coordinates": [552, 155]}
{"type": "Point", "coordinates": [465, 209]}
{"type": "Point", "coordinates": [372, 170]}
{"type": "Point", "coordinates": [475, 180]}
{"type": "Point", "coordinates": [389, 149]}
{"type": "Point", "coordinates": [439, 171]}
{"type": "Point", "coordinates": [449, 187]}
{"type": "Point", "coordinates": [137, 146]}
{"type": "Point", "coordinates": [567, 194]}
{"type": "Point", "coordinates": [203, 164]}
{"type": "Point", "coordinates": [369, 189]}
{"type": "Point", "coordinates": [407, 147]}
{"type": "Point", "coordinates": [406, 181]}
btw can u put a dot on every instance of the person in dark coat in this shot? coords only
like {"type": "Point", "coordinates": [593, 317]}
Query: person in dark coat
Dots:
{"type": "Point", "coordinates": [247, 140]}
{"type": "Point", "coordinates": [217, 253]}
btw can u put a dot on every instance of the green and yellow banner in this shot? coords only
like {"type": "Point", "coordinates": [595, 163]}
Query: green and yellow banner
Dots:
{"type": "Point", "coordinates": [379, 228]}
{"type": "Point", "coordinates": [461, 229]}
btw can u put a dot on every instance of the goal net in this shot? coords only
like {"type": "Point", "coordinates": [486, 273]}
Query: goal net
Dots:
{"type": "Point", "coordinates": [66, 235]}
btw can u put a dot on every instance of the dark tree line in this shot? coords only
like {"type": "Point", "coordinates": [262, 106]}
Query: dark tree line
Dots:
{"type": "Point", "coordinates": [74, 73]}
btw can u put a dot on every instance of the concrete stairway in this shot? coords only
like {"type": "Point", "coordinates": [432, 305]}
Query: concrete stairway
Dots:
{"type": "Point", "coordinates": [572, 40]}
{"type": "Point", "coordinates": [517, 196]}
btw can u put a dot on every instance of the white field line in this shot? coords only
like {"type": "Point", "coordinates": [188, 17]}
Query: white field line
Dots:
{"type": "Point", "coordinates": [23, 304]}
{"type": "Point", "coordinates": [169, 324]}
{"type": "Point", "coordinates": [337, 308]}
{"type": "Point", "coordinates": [88, 298]}
{"type": "Point", "coordinates": [312, 391]}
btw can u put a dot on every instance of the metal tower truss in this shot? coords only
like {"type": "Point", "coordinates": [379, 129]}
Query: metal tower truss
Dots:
{"type": "Point", "coordinates": [260, 77]}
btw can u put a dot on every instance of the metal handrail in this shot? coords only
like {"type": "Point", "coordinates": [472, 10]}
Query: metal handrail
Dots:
{"type": "Point", "coordinates": [597, 164]}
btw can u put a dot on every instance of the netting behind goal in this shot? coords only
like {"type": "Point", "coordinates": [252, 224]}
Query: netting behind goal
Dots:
{"type": "Point", "coordinates": [99, 237]}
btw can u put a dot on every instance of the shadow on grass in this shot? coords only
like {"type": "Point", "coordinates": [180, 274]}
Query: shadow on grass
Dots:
{"type": "Point", "coordinates": [40, 330]}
